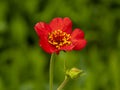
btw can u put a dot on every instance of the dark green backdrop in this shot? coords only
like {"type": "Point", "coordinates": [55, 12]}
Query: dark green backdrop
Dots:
{"type": "Point", "coordinates": [25, 66]}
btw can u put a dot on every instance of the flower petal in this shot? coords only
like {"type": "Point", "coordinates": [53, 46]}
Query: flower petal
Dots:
{"type": "Point", "coordinates": [64, 24]}
{"type": "Point", "coordinates": [67, 25]}
{"type": "Point", "coordinates": [77, 38]}
{"type": "Point", "coordinates": [67, 48]}
{"type": "Point", "coordinates": [56, 23]}
{"type": "Point", "coordinates": [42, 29]}
{"type": "Point", "coordinates": [46, 46]}
{"type": "Point", "coordinates": [80, 44]}
{"type": "Point", "coordinates": [77, 34]}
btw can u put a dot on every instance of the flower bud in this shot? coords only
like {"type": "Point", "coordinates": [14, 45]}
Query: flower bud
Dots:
{"type": "Point", "coordinates": [74, 73]}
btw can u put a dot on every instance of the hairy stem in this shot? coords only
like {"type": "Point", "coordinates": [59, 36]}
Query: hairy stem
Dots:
{"type": "Point", "coordinates": [51, 72]}
{"type": "Point", "coordinates": [63, 83]}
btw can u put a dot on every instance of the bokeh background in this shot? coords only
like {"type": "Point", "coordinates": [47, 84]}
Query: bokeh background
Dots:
{"type": "Point", "coordinates": [25, 66]}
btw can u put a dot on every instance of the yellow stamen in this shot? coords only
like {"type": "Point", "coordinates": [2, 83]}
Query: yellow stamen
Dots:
{"type": "Point", "coordinates": [58, 38]}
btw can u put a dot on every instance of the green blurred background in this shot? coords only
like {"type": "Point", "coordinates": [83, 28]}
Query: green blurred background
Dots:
{"type": "Point", "coordinates": [25, 66]}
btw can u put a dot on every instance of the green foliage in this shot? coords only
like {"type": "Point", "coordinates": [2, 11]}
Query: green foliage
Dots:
{"type": "Point", "coordinates": [25, 66]}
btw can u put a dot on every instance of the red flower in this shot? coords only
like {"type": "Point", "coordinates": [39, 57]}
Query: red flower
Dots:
{"type": "Point", "coordinates": [58, 35]}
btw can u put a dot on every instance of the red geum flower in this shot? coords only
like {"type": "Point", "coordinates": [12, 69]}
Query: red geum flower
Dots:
{"type": "Point", "coordinates": [58, 35]}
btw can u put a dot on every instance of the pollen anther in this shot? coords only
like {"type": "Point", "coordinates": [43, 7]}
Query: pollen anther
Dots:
{"type": "Point", "coordinates": [58, 38]}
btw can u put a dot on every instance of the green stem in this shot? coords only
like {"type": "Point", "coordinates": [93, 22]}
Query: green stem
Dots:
{"type": "Point", "coordinates": [63, 83]}
{"type": "Point", "coordinates": [51, 72]}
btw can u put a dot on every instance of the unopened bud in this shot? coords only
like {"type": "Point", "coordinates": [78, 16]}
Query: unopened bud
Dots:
{"type": "Point", "coordinates": [74, 73]}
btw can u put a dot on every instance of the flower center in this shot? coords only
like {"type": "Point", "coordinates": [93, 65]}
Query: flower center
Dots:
{"type": "Point", "coordinates": [58, 38]}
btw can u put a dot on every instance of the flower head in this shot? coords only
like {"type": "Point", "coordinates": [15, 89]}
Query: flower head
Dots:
{"type": "Point", "coordinates": [58, 35]}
